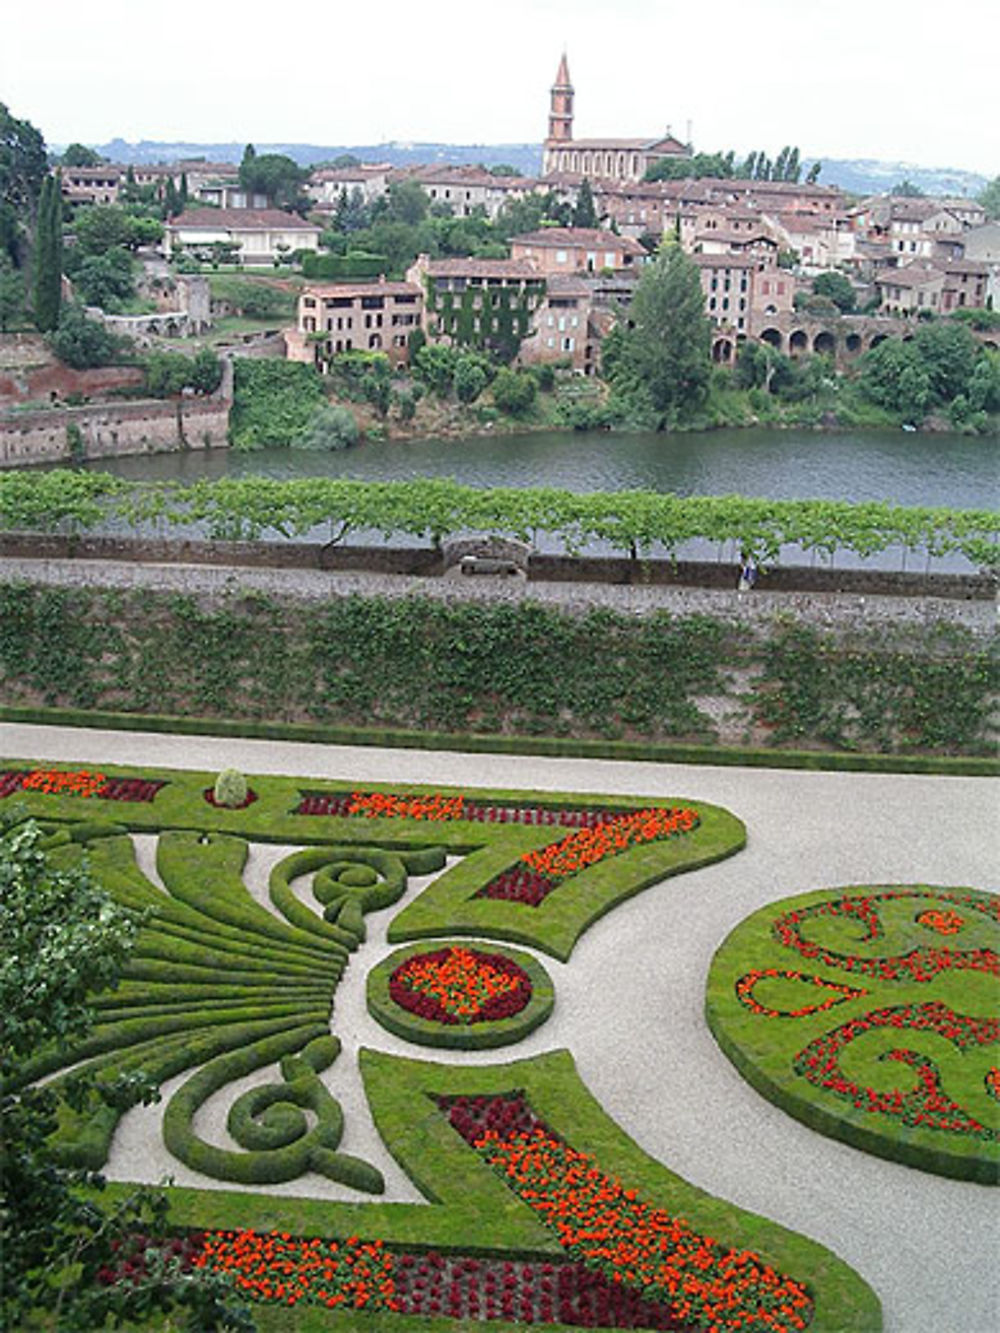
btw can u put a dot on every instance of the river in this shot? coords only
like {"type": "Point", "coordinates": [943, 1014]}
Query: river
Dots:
{"type": "Point", "coordinates": [909, 469]}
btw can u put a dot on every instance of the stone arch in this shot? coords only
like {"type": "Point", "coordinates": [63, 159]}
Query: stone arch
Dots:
{"type": "Point", "coordinates": [852, 344]}
{"type": "Point", "coordinates": [990, 344]}
{"type": "Point", "coordinates": [824, 344]}
{"type": "Point", "coordinates": [773, 337]}
{"type": "Point", "coordinates": [876, 339]}
{"type": "Point", "coordinates": [722, 351]}
{"type": "Point", "coordinates": [375, 341]}
{"type": "Point", "coordinates": [798, 342]}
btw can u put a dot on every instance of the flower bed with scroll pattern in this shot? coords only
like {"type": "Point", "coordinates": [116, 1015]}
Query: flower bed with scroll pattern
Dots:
{"type": "Point", "coordinates": [910, 1069]}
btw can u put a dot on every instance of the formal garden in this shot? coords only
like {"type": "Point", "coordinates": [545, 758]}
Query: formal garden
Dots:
{"type": "Point", "coordinates": [868, 1012]}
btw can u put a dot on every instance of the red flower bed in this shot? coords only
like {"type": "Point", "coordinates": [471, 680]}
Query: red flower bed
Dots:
{"type": "Point", "coordinates": [917, 965]}
{"type": "Point", "coordinates": [925, 1105]}
{"type": "Point", "coordinates": [81, 782]}
{"type": "Point", "coordinates": [746, 984]}
{"type": "Point", "coordinates": [611, 1231]}
{"type": "Point", "coordinates": [456, 985]}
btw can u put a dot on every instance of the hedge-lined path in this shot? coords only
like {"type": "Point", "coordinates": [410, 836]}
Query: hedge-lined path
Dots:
{"type": "Point", "coordinates": [824, 610]}
{"type": "Point", "coordinates": [632, 997]}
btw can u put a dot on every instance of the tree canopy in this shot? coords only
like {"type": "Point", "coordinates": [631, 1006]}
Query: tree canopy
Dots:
{"type": "Point", "coordinates": [663, 351]}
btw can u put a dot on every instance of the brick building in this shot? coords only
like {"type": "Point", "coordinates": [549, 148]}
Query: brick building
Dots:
{"type": "Point", "coordinates": [355, 317]}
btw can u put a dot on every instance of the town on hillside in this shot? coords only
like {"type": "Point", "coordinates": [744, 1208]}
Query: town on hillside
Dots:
{"type": "Point", "coordinates": [535, 273]}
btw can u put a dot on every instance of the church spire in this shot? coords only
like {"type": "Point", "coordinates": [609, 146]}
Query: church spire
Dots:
{"type": "Point", "coordinates": [561, 105]}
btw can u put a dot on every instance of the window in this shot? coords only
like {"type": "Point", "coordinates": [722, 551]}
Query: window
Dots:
{"type": "Point", "coordinates": [567, 344]}
{"type": "Point", "coordinates": [372, 302]}
{"type": "Point", "coordinates": [560, 256]}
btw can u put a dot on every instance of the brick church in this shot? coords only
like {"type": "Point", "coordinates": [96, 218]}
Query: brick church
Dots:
{"type": "Point", "coordinates": [598, 159]}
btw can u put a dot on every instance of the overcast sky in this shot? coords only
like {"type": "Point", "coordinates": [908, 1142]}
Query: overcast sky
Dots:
{"type": "Point", "coordinates": [904, 80]}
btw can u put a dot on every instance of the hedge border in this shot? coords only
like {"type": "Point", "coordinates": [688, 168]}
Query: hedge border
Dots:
{"type": "Point", "coordinates": [458, 1037]}
{"type": "Point", "coordinates": [555, 746]}
{"type": "Point", "coordinates": [922, 1149]}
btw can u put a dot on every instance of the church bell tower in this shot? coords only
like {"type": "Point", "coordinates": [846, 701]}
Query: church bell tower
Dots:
{"type": "Point", "coordinates": [561, 106]}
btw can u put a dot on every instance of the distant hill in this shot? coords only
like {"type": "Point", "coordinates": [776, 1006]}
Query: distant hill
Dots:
{"type": "Point", "coordinates": [856, 175]}
{"type": "Point", "coordinates": [864, 176]}
{"type": "Point", "coordinates": [526, 157]}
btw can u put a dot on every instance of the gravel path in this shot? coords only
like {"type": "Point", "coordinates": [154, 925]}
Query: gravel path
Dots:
{"type": "Point", "coordinates": [929, 1246]}
{"type": "Point", "coordinates": [845, 610]}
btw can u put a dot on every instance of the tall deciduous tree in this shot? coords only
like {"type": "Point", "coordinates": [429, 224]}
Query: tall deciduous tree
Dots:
{"type": "Point", "coordinates": [665, 350]}
{"type": "Point", "coordinates": [63, 939]}
{"type": "Point", "coordinates": [48, 256]}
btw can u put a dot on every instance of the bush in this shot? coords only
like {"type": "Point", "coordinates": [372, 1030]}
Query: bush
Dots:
{"type": "Point", "coordinates": [514, 392]}
{"type": "Point", "coordinates": [83, 343]}
{"type": "Point", "coordinates": [469, 380]}
{"type": "Point", "coordinates": [332, 427]}
{"type": "Point", "coordinates": [230, 788]}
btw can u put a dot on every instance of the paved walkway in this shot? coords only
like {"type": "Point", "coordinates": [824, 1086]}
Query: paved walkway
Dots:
{"type": "Point", "coordinates": [824, 609]}
{"type": "Point", "coordinates": [630, 1001]}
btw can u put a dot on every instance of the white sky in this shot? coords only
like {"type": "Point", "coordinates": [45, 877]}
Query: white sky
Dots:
{"type": "Point", "coordinates": [903, 80]}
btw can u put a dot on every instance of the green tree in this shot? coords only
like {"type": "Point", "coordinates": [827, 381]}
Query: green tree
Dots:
{"type": "Point", "coordinates": [469, 379]}
{"type": "Point", "coordinates": [105, 280]}
{"type": "Point", "coordinates": [836, 288]}
{"type": "Point", "coordinates": [11, 293]}
{"type": "Point", "coordinates": [434, 364]}
{"type": "Point", "coordinates": [23, 164]}
{"type": "Point", "coordinates": [989, 197]}
{"type": "Point", "coordinates": [206, 371]}
{"type": "Point", "coordinates": [949, 353]}
{"type": "Point", "coordinates": [584, 212]}
{"type": "Point", "coordinates": [64, 940]}
{"type": "Point", "coordinates": [665, 350]}
{"type": "Point", "coordinates": [893, 376]}
{"type": "Point", "coordinates": [814, 172]}
{"type": "Point", "coordinates": [406, 202]}
{"type": "Point", "coordinates": [79, 155]}
{"type": "Point", "coordinates": [277, 176]}
{"type": "Point", "coordinates": [81, 342]}
{"type": "Point", "coordinates": [48, 256]}
{"type": "Point", "coordinates": [514, 392]}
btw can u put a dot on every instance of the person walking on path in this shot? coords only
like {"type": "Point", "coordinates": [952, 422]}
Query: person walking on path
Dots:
{"type": "Point", "coordinates": [748, 572]}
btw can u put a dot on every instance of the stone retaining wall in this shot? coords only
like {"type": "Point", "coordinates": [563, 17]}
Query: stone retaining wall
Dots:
{"type": "Point", "coordinates": [108, 430]}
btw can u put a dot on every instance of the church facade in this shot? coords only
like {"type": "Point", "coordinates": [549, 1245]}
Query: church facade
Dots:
{"type": "Point", "coordinates": [599, 160]}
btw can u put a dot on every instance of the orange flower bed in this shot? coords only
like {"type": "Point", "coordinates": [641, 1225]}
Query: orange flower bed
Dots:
{"type": "Point", "coordinates": [352, 1274]}
{"type": "Point", "coordinates": [53, 782]}
{"type": "Point", "coordinates": [587, 846]}
{"type": "Point", "coordinates": [609, 1228]}
{"type": "Point", "coordinates": [456, 985]}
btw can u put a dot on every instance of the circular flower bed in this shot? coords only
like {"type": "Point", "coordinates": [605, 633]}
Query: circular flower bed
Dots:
{"type": "Point", "coordinates": [870, 1013]}
{"type": "Point", "coordinates": [460, 995]}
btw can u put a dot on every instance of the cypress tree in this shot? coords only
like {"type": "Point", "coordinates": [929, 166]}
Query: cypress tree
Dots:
{"type": "Point", "coordinates": [48, 256]}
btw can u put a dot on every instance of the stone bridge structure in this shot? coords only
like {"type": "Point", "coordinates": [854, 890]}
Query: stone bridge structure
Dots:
{"type": "Point", "coordinates": [843, 338]}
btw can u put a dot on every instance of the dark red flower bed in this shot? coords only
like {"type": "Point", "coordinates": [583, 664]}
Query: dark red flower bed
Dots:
{"type": "Point", "coordinates": [462, 1287]}
{"type": "Point", "coordinates": [370, 804]}
{"type": "Point", "coordinates": [457, 985]}
{"type": "Point", "coordinates": [209, 795]}
{"type": "Point", "coordinates": [112, 789]}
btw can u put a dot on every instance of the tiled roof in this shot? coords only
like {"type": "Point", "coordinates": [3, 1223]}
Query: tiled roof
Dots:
{"type": "Point", "coordinates": [578, 238]}
{"type": "Point", "coordinates": [242, 219]}
{"type": "Point", "coordinates": [353, 289]}
{"type": "Point", "coordinates": [482, 268]}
